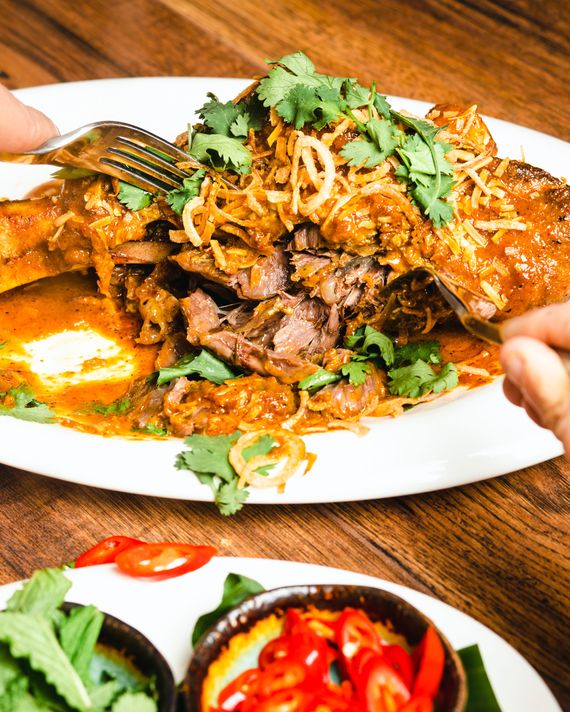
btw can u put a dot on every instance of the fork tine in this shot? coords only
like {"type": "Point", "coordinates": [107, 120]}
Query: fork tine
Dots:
{"type": "Point", "coordinates": [148, 139]}
{"type": "Point", "coordinates": [148, 154]}
{"type": "Point", "coordinates": [130, 174]}
{"type": "Point", "coordinates": [145, 166]}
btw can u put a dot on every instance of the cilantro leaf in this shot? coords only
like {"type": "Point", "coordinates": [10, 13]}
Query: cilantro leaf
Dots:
{"type": "Point", "coordinates": [240, 127]}
{"type": "Point", "coordinates": [229, 498]}
{"type": "Point", "coordinates": [380, 142]}
{"type": "Point", "coordinates": [362, 152]}
{"type": "Point", "coordinates": [356, 372]}
{"type": "Point", "coordinates": [426, 168]}
{"type": "Point", "coordinates": [381, 105]}
{"type": "Point", "coordinates": [419, 378]}
{"type": "Point", "coordinates": [371, 343]}
{"type": "Point", "coordinates": [219, 117]}
{"type": "Point", "coordinates": [221, 152]}
{"type": "Point", "coordinates": [318, 380]}
{"type": "Point", "coordinates": [355, 94]}
{"type": "Point", "coordinates": [298, 106]}
{"type": "Point", "coordinates": [25, 406]}
{"type": "Point", "coordinates": [178, 198]}
{"type": "Point", "coordinates": [209, 454]}
{"type": "Point", "coordinates": [117, 407]}
{"type": "Point", "coordinates": [2, 344]}
{"type": "Point", "coordinates": [262, 446]}
{"type": "Point", "coordinates": [152, 429]}
{"type": "Point", "coordinates": [204, 364]}
{"type": "Point", "coordinates": [428, 351]}
{"type": "Point", "coordinates": [236, 589]}
{"type": "Point", "coordinates": [132, 197]}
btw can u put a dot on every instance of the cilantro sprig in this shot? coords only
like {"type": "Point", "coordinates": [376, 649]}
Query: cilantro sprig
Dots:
{"type": "Point", "coordinates": [220, 141]}
{"type": "Point", "coordinates": [207, 456]}
{"type": "Point", "coordinates": [20, 402]}
{"type": "Point", "coordinates": [409, 367]}
{"type": "Point", "coordinates": [203, 364]}
{"type": "Point", "coordinates": [301, 96]}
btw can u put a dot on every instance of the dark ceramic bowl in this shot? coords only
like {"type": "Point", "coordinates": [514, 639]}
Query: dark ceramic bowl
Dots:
{"type": "Point", "coordinates": [379, 605]}
{"type": "Point", "coordinates": [138, 651]}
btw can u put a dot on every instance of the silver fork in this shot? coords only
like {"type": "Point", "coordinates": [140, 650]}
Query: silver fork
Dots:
{"type": "Point", "coordinates": [472, 309]}
{"type": "Point", "coordinates": [116, 149]}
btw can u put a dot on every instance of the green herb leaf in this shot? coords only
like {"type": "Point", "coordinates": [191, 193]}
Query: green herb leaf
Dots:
{"type": "Point", "coordinates": [356, 372]}
{"type": "Point", "coordinates": [229, 498]}
{"type": "Point", "coordinates": [32, 637]}
{"type": "Point", "coordinates": [481, 696]}
{"type": "Point", "coordinates": [134, 702]}
{"type": "Point", "coordinates": [152, 429]}
{"type": "Point", "coordinates": [355, 94]}
{"type": "Point", "coordinates": [262, 446]}
{"type": "Point", "coordinates": [221, 152]}
{"type": "Point", "coordinates": [428, 351]}
{"type": "Point", "coordinates": [78, 634]}
{"type": "Point", "coordinates": [42, 595]}
{"type": "Point", "coordinates": [371, 343]}
{"type": "Point", "coordinates": [240, 127]}
{"type": "Point", "coordinates": [2, 344]}
{"type": "Point", "coordinates": [208, 454]}
{"type": "Point", "coordinates": [380, 142]}
{"type": "Point", "coordinates": [178, 198]}
{"type": "Point", "coordinates": [132, 197]}
{"type": "Point", "coordinates": [419, 379]}
{"type": "Point", "coordinates": [298, 107]}
{"type": "Point", "coordinates": [70, 173]}
{"type": "Point", "coordinates": [318, 380]}
{"type": "Point", "coordinates": [236, 589]}
{"type": "Point", "coordinates": [25, 406]}
{"type": "Point", "coordinates": [117, 407]}
{"type": "Point", "coordinates": [205, 365]}
{"type": "Point", "coordinates": [220, 117]}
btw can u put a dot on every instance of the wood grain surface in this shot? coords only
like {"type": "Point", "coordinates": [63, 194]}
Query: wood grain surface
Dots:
{"type": "Point", "coordinates": [497, 550]}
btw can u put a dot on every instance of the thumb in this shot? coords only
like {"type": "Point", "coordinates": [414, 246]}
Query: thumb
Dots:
{"type": "Point", "coordinates": [542, 381]}
{"type": "Point", "coordinates": [21, 127]}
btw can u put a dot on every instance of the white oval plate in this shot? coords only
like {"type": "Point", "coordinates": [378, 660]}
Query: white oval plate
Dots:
{"type": "Point", "coordinates": [460, 439]}
{"type": "Point", "coordinates": [166, 612]}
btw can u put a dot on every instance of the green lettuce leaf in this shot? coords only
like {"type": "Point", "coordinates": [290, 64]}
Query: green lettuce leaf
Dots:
{"type": "Point", "coordinates": [32, 637]}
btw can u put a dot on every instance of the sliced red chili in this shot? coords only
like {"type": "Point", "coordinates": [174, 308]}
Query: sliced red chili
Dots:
{"type": "Point", "coordinates": [431, 656]}
{"type": "Point", "coordinates": [359, 661]}
{"type": "Point", "coordinates": [163, 560]}
{"type": "Point", "coordinates": [106, 551]}
{"type": "Point", "coordinates": [243, 687]}
{"type": "Point", "coordinates": [285, 701]}
{"type": "Point", "coordinates": [418, 704]}
{"type": "Point", "coordinates": [381, 689]}
{"type": "Point", "coordinates": [309, 650]}
{"type": "Point", "coordinates": [354, 631]}
{"type": "Point", "coordinates": [402, 662]}
{"type": "Point", "coordinates": [281, 675]}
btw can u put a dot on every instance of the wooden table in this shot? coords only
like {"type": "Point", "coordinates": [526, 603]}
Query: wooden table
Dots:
{"type": "Point", "coordinates": [495, 550]}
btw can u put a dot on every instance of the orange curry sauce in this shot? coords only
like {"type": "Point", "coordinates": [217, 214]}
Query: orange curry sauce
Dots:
{"type": "Point", "coordinates": [71, 301]}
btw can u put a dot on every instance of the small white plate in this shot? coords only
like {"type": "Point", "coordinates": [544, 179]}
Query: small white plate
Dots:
{"type": "Point", "coordinates": [166, 612]}
{"type": "Point", "coordinates": [460, 439]}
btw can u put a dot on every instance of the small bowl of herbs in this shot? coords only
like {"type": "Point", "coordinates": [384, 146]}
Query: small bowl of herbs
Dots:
{"type": "Point", "coordinates": [73, 658]}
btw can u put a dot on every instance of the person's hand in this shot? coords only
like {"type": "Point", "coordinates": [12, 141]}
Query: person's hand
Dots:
{"type": "Point", "coordinates": [536, 379]}
{"type": "Point", "coordinates": [21, 127]}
